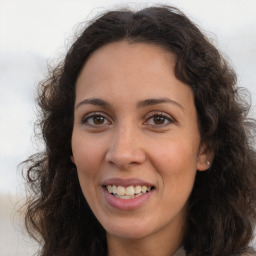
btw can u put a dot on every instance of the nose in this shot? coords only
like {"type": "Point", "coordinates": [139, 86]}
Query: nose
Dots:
{"type": "Point", "coordinates": [125, 149]}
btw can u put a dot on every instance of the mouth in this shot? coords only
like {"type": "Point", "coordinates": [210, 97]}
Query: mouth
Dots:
{"type": "Point", "coordinates": [128, 192]}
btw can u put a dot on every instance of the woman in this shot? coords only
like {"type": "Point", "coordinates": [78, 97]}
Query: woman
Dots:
{"type": "Point", "coordinates": [148, 149]}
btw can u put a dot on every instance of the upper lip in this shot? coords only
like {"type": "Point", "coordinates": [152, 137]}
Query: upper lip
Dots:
{"type": "Point", "coordinates": [126, 182]}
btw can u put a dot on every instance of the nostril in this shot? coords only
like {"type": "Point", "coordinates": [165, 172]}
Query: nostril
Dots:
{"type": "Point", "coordinates": [123, 156]}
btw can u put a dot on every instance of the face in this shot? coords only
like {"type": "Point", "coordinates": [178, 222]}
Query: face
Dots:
{"type": "Point", "coordinates": [135, 141]}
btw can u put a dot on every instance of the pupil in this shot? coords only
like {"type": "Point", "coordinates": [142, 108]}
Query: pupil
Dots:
{"type": "Point", "coordinates": [159, 120]}
{"type": "Point", "coordinates": [98, 120]}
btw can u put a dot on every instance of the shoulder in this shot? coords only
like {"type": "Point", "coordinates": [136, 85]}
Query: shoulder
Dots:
{"type": "Point", "coordinates": [180, 252]}
{"type": "Point", "coordinates": [251, 252]}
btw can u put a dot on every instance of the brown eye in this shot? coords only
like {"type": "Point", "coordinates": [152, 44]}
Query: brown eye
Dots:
{"type": "Point", "coordinates": [159, 119]}
{"type": "Point", "coordinates": [95, 120]}
{"type": "Point", "coordinates": [98, 120]}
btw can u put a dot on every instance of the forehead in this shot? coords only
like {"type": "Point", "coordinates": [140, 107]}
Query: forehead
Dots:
{"type": "Point", "coordinates": [129, 53]}
{"type": "Point", "coordinates": [137, 70]}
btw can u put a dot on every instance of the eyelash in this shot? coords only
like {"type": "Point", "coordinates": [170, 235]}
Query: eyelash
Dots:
{"type": "Point", "coordinates": [161, 115]}
{"type": "Point", "coordinates": [150, 116]}
{"type": "Point", "coordinates": [93, 115]}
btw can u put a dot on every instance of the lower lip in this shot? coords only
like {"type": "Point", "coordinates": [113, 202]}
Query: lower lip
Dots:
{"type": "Point", "coordinates": [126, 204]}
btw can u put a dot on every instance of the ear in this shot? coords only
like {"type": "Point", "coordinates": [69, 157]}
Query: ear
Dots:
{"type": "Point", "coordinates": [204, 158]}
{"type": "Point", "coordinates": [72, 159]}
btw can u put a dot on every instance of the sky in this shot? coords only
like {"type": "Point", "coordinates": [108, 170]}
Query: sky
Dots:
{"type": "Point", "coordinates": [36, 33]}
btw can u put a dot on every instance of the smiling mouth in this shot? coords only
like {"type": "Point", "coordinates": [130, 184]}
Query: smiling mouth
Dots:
{"type": "Point", "coordinates": [127, 192]}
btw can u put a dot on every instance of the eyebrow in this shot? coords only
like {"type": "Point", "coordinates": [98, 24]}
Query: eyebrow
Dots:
{"type": "Point", "coordinates": [140, 104]}
{"type": "Point", "coordinates": [96, 102]}
{"type": "Point", "coordinates": [150, 102]}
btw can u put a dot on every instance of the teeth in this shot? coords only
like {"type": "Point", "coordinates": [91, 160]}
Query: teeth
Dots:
{"type": "Point", "coordinates": [128, 192]}
{"type": "Point", "coordinates": [121, 191]}
{"type": "Point", "coordinates": [110, 189]}
{"type": "Point", "coordinates": [138, 189]}
{"type": "Point", "coordinates": [126, 197]}
{"type": "Point", "coordinates": [144, 189]}
{"type": "Point", "coordinates": [114, 189]}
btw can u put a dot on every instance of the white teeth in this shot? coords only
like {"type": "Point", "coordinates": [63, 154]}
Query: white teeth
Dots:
{"type": "Point", "coordinates": [114, 189]}
{"type": "Point", "coordinates": [124, 197]}
{"type": "Point", "coordinates": [144, 189]}
{"type": "Point", "coordinates": [138, 189]}
{"type": "Point", "coordinates": [110, 189]}
{"type": "Point", "coordinates": [128, 192]}
{"type": "Point", "coordinates": [121, 190]}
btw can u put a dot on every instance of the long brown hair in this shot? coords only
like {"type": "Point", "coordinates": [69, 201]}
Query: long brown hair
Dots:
{"type": "Point", "coordinates": [222, 206]}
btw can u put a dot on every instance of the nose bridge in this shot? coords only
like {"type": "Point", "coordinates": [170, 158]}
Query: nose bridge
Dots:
{"type": "Point", "coordinates": [125, 147]}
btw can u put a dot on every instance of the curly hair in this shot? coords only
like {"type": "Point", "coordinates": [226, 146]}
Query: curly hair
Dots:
{"type": "Point", "coordinates": [222, 205]}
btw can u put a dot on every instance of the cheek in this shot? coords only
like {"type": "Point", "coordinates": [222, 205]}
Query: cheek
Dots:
{"type": "Point", "coordinates": [176, 166]}
{"type": "Point", "coordinates": [88, 158]}
{"type": "Point", "coordinates": [87, 153]}
{"type": "Point", "coordinates": [176, 155]}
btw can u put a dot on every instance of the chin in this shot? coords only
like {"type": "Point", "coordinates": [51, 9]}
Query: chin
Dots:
{"type": "Point", "coordinates": [128, 230]}
{"type": "Point", "coordinates": [128, 233]}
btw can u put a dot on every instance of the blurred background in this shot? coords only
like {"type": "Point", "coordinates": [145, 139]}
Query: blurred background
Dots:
{"type": "Point", "coordinates": [36, 33]}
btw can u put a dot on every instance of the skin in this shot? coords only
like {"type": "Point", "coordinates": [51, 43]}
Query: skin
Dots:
{"type": "Point", "coordinates": [128, 141]}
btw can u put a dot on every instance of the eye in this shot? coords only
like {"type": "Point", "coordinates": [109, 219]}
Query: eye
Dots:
{"type": "Point", "coordinates": [96, 120]}
{"type": "Point", "coordinates": [160, 119]}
